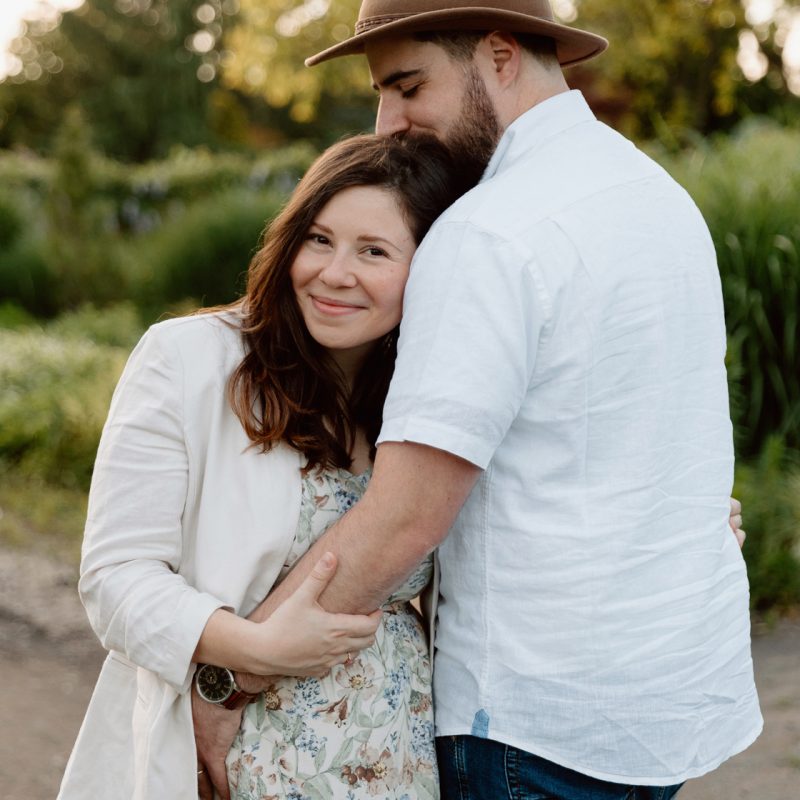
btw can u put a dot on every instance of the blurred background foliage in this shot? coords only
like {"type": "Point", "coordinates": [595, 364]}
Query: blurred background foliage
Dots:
{"type": "Point", "coordinates": [145, 143]}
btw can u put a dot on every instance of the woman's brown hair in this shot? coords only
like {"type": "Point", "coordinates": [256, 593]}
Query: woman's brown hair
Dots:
{"type": "Point", "coordinates": [287, 388]}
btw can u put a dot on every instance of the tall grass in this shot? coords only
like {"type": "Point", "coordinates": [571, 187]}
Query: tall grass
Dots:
{"type": "Point", "coordinates": [748, 188]}
{"type": "Point", "coordinates": [769, 488]}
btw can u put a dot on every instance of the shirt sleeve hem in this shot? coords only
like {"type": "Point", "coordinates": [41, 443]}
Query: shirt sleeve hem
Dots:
{"type": "Point", "coordinates": [180, 671]}
{"type": "Point", "coordinates": [442, 437]}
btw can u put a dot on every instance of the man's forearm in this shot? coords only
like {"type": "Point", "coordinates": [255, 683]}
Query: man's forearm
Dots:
{"type": "Point", "coordinates": [411, 502]}
{"type": "Point", "coordinates": [408, 508]}
{"type": "Point", "coordinates": [370, 566]}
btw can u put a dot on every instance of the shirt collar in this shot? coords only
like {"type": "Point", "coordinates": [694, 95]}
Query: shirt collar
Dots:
{"type": "Point", "coordinates": [532, 128]}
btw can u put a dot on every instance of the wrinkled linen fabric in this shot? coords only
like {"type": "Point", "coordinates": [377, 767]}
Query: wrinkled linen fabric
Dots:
{"type": "Point", "coordinates": [564, 331]}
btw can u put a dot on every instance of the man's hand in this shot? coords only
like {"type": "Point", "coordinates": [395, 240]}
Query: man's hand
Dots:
{"type": "Point", "coordinates": [215, 728]}
{"type": "Point", "coordinates": [736, 521]}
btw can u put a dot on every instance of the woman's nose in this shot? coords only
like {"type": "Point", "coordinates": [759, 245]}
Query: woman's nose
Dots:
{"type": "Point", "coordinates": [338, 271]}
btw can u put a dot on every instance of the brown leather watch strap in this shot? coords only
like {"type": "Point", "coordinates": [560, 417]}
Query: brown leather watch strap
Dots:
{"type": "Point", "coordinates": [237, 700]}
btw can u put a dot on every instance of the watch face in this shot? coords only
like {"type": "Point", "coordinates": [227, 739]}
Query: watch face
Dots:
{"type": "Point", "coordinates": [214, 684]}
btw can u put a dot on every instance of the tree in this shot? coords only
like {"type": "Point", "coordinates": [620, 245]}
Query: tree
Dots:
{"type": "Point", "coordinates": [141, 70]}
{"type": "Point", "coordinates": [266, 48]}
{"type": "Point", "coordinates": [672, 65]}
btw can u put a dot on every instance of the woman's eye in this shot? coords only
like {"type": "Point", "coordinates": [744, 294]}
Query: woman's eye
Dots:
{"type": "Point", "coordinates": [376, 251]}
{"type": "Point", "coordinates": [317, 238]}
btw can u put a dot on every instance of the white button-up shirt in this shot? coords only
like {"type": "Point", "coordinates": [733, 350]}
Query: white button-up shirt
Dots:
{"type": "Point", "coordinates": [564, 331]}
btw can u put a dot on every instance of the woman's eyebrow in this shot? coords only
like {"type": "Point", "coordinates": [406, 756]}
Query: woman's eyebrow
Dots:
{"type": "Point", "coordinates": [366, 237]}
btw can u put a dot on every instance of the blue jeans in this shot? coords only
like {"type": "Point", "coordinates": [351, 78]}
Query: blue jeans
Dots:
{"type": "Point", "coordinates": [481, 769]}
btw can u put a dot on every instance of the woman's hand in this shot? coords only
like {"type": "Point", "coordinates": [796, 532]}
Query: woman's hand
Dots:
{"type": "Point", "coordinates": [301, 638]}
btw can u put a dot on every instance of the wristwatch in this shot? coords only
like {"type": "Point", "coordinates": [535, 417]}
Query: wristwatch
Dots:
{"type": "Point", "coordinates": [217, 685]}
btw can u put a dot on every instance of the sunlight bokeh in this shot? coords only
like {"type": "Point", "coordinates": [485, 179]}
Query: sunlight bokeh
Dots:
{"type": "Point", "coordinates": [11, 20]}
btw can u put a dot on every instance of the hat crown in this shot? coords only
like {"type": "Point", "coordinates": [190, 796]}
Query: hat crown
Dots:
{"type": "Point", "coordinates": [374, 13]}
{"type": "Point", "coordinates": [379, 19]}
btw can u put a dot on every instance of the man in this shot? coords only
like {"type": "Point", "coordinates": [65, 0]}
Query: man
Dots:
{"type": "Point", "coordinates": [560, 406]}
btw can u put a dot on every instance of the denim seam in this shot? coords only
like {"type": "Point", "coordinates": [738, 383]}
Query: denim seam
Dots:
{"type": "Point", "coordinates": [511, 770]}
{"type": "Point", "coordinates": [461, 771]}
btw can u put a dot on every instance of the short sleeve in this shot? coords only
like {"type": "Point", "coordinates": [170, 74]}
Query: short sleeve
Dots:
{"type": "Point", "coordinates": [473, 315]}
{"type": "Point", "coordinates": [137, 602]}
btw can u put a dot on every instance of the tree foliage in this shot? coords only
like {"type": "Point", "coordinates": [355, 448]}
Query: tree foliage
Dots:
{"type": "Point", "coordinates": [149, 74]}
{"type": "Point", "coordinates": [672, 65]}
{"type": "Point", "coordinates": [268, 45]}
{"type": "Point", "coordinates": [127, 63]}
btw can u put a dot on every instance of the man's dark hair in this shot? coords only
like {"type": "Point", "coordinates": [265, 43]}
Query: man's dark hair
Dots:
{"type": "Point", "coordinates": [460, 45]}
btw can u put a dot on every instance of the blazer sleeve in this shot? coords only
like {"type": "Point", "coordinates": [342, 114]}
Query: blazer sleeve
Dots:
{"type": "Point", "coordinates": [136, 600]}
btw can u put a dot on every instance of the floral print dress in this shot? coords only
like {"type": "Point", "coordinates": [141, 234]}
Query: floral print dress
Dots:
{"type": "Point", "coordinates": [365, 730]}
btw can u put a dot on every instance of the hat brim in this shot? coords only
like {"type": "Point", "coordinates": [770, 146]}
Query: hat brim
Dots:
{"type": "Point", "coordinates": [573, 45]}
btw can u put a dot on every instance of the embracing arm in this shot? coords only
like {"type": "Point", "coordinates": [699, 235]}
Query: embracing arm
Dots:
{"type": "Point", "coordinates": [136, 598]}
{"type": "Point", "coordinates": [413, 498]}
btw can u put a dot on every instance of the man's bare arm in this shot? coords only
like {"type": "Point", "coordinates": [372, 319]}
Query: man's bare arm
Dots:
{"type": "Point", "coordinates": [413, 498]}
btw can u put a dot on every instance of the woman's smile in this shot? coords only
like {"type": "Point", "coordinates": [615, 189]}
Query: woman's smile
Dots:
{"type": "Point", "coordinates": [334, 308]}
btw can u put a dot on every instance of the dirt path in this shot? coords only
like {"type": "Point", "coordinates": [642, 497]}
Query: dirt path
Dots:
{"type": "Point", "coordinates": [49, 661]}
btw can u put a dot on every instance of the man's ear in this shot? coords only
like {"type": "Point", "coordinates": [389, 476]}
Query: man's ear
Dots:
{"type": "Point", "coordinates": [505, 55]}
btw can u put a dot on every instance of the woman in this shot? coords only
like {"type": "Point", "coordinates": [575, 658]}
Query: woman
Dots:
{"type": "Point", "coordinates": [234, 439]}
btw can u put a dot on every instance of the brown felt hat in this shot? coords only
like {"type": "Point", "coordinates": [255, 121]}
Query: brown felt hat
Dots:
{"type": "Point", "coordinates": [380, 18]}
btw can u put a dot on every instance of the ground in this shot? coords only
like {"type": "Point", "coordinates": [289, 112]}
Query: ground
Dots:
{"type": "Point", "coordinates": [49, 661]}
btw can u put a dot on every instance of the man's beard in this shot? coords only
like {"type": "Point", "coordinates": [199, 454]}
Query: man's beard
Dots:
{"type": "Point", "coordinates": [475, 135]}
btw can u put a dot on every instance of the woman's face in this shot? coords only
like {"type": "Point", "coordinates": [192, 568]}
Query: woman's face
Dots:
{"type": "Point", "coordinates": [350, 272]}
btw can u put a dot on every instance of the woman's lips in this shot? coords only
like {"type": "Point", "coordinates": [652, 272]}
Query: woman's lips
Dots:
{"type": "Point", "coordinates": [333, 308]}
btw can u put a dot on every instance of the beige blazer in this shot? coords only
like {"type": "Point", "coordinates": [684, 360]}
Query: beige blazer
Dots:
{"type": "Point", "coordinates": [184, 518]}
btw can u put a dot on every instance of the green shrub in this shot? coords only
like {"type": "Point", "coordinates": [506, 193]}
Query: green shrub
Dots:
{"type": "Point", "coordinates": [205, 252]}
{"type": "Point", "coordinates": [769, 488]}
{"type": "Point", "coordinates": [117, 326]}
{"type": "Point", "coordinates": [748, 188]}
{"type": "Point", "coordinates": [10, 222]}
{"type": "Point", "coordinates": [54, 397]}
{"type": "Point", "coordinates": [143, 194]}
{"type": "Point", "coordinates": [89, 222]}
{"type": "Point", "coordinates": [14, 316]}
{"type": "Point", "coordinates": [26, 277]}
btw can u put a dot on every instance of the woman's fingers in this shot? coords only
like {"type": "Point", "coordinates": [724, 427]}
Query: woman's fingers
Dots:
{"type": "Point", "coordinates": [317, 580]}
{"type": "Point", "coordinates": [205, 791]}
{"type": "Point", "coordinates": [355, 644]}
{"type": "Point", "coordinates": [356, 624]}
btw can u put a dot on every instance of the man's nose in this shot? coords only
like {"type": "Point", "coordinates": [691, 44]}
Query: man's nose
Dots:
{"type": "Point", "coordinates": [391, 120]}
